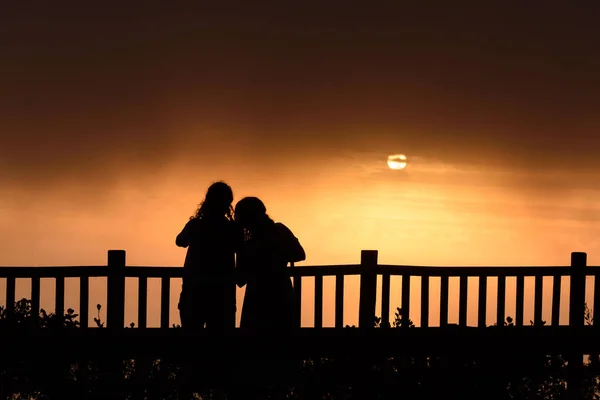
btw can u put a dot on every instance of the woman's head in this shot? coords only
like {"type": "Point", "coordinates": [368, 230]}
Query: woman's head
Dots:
{"type": "Point", "coordinates": [217, 202]}
{"type": "Point", "coordinates": [250, 212]}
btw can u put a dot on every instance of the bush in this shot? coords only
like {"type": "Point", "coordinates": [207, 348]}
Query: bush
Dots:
{"type": "Point", "coordinates": [344, 377]}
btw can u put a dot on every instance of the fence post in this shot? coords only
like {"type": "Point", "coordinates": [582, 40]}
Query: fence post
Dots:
{"type": "Point", "coordinates": [577, 291]}
{"type": "Point", "coordinates": [368, 288]}
{"type": "Point", "coordinates": [576, 322]}
{"type": "Point", "coordinates": [115, 308]}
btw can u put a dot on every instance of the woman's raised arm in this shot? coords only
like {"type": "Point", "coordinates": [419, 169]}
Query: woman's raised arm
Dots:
{"type": "Point", "coordinates": [183, 239]}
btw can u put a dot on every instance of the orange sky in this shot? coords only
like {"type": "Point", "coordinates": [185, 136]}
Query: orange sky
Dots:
{"type": "Point", "coordinates": [114, 122]}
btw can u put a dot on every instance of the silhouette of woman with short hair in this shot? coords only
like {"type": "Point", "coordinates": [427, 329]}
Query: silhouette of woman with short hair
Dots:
{"type": "Point", "coordinates": [262, 261]}
{"type": "Point", "coordinates": [208, 290]}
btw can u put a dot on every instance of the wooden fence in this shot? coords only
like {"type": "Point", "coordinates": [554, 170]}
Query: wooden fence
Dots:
{"type": "Point", "coordinates": [573, 340]}
{"type": "Point", "coordinates": [368, 270]}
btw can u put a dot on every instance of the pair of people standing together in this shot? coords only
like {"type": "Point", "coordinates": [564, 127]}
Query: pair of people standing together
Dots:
{"type": "Point", "coordinates": [249, 250]}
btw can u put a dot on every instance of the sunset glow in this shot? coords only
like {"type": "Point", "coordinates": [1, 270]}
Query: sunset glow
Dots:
{"type": "Point", "coordinates": [117, 154]}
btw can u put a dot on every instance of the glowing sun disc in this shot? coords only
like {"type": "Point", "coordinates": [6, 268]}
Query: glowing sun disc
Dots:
{"type": "Point", "coordinates": [397, 161]}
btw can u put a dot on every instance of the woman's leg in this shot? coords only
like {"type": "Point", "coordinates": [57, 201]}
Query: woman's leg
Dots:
{"type": "Point", "coordinates": [221, 311]}
{"type": "Point", "coordinates": [191, 314]}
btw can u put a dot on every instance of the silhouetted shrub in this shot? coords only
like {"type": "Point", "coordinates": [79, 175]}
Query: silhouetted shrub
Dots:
{"type": "Point", "coordinates": [376, 376]}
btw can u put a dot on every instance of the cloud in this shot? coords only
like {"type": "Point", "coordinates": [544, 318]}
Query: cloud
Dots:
{"type": "Point", "coordinates": [97, 98]}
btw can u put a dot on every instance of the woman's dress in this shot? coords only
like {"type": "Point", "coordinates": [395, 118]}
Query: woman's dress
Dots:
{"type": "Point", "coordinates": [208, 290]}
{"type": "Point", "coordinates": [270, 302]}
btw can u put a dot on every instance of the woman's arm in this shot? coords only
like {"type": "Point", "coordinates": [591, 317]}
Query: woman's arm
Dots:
{"type": "Point", "coordinates": [293, 250]}
{"type": "Point", "coordinates": [296, 251]}
{"type": "Point", "coordinates": [183, 239]}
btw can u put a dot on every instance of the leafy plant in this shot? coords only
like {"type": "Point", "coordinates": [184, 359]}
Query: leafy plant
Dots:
{"type": "Point", "coordinates": [398, 321]}
{"type": "Point", "coordinates": [517, 376]}
{"type": "Point", "coordinates": [588, 315]}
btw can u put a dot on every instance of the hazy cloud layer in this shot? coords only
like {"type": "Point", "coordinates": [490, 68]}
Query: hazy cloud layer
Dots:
{"type": "Point", "coordinates": [91, 94]}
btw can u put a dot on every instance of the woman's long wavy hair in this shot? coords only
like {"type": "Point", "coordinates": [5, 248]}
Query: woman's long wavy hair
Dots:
{"type": "Point", "coordinates": [217, 202]}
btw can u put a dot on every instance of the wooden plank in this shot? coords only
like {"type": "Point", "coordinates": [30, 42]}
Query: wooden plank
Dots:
{"type": "Point", "coordinates": [326, 270]}
{"type": "Point", "coordinates": [500, 312]}
{"type": "Point", "coordinates": [59, 297]}
{"type": "Point", "coordinates": [385, 299]}
{"type": "Point", "coordinates": [142, 302]}
{"type": "Point", "coordinates": [577, 289]}
{"type": "Point", "coordinates": [462, 301]}
{"type": "Point", "coordinates": [556, 283]}
{"type": "Point", "coordinates": [537, 304]}
{"type": "Point", "coordinates": [576, 322]}
{"type": "Point", "coordinates": [84, 301]}
{"type": "Point", "coordinates": [444, 291]}
{"type": "Point", "coordinates": [482, 302]}
{"type": "Point", "coordinates": [11, 284]}
{"type": "Point", "coordinates": [165, 301]}
{"type": "Point", "coordinates": [520, 301]}
{"type": "Point", "coordinates": [452, 271]}
{"type": "Point", "coordinates": [368, 289]}
{"type": "Point", "coordinates": [298, 294]}
{"type": "Point", "coordinates": [339, 301]}
{"type": "Point", "coordinates": [35, 297]}
{"type": "Point", "coordinates": [425, 301]}
{"type": "Point", "coordinates": [115, 288]}
{"type": "Point", "coordinates": [312, 270]}
{"type": "Point", "coordinates": [594, 357]}
{"type": "Point", "coordinates": [596, 300]}
{"type": "Point", "coordinates": [405, 299]}
{"type": "Point", "coordinates": [318, 301]}
{"type": "Point", "coordinates": [52, 272]}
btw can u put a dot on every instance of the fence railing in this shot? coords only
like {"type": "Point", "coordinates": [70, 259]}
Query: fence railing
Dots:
{"type": "Point", "coordinates": [368, 271]}
{"type": "Point", "coordinates": [573, 341]}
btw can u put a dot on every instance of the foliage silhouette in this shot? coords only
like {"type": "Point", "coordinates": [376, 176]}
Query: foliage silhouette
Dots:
{"type": "Point", "coordinates": [518, 376]}
{"type": "Point", "coordinates": [40, 380]}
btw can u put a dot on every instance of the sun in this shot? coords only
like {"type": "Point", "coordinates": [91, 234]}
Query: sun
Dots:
{"type": "Point", "coordinates": [397, 161]}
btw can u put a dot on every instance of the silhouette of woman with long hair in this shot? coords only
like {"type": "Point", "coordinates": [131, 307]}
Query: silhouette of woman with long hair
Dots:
{"type": "Point", "coordinates": [262, 261]}
{"type": "Point", "coordinates": [208, 290]}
